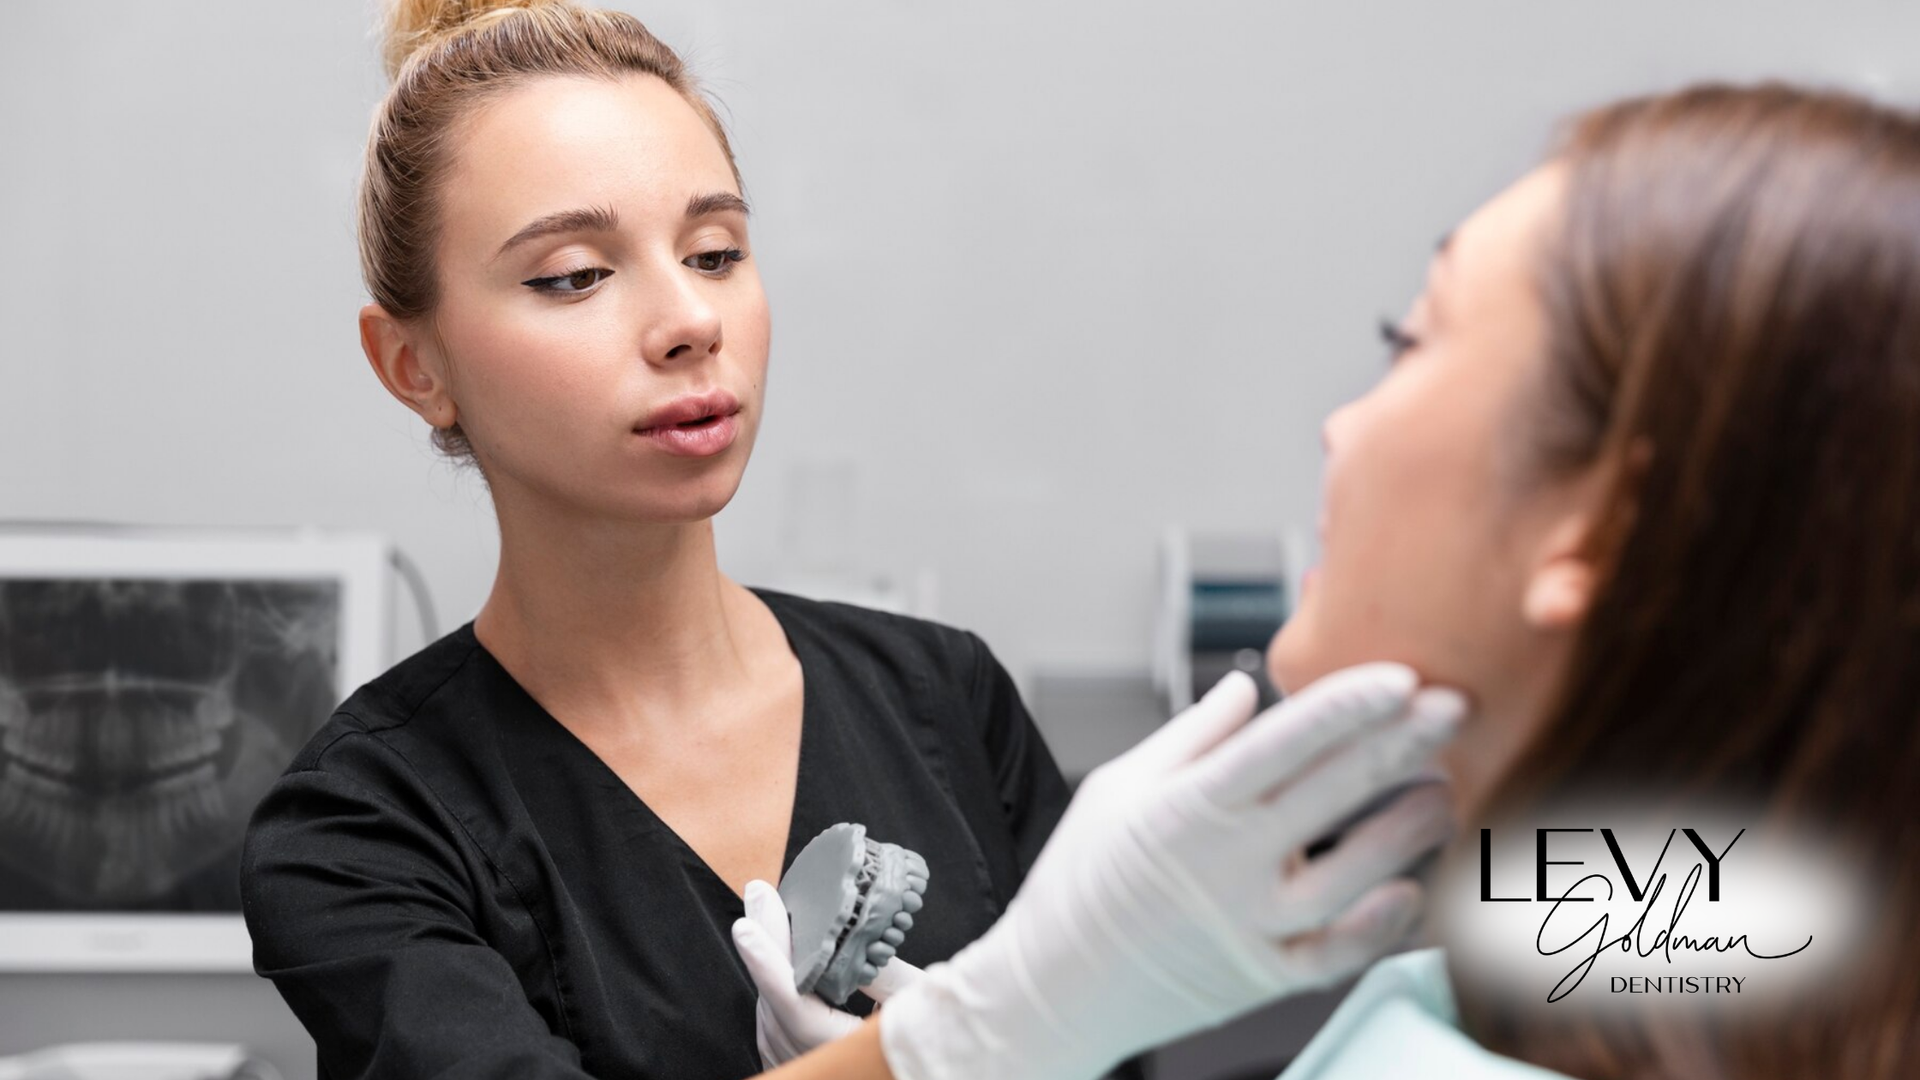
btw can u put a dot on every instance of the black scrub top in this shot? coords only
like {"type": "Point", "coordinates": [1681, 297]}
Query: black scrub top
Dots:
{"type": "Point", "coordinates": [448, 883]}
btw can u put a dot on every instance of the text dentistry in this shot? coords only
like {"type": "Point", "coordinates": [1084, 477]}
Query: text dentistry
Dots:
{"type": "Point", "coordinates": [1675, 984]}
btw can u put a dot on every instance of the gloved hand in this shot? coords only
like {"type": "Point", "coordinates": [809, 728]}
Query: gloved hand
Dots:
{"type": "Point", "coordinates": [1174, 894]}
{"type": "Point", "coordinates": [788, 1023]}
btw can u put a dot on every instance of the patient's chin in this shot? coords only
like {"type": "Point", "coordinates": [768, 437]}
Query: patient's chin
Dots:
{"type": "Point", "coordinates": [1291, 656]}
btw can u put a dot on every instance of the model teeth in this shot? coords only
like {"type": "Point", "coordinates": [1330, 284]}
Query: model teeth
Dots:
{"type": "Point", "coordinates": [905, 866]}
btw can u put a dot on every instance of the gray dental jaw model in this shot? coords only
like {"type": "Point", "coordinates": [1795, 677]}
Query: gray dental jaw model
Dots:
{"type": "Point", "coordinates": [851, 901]}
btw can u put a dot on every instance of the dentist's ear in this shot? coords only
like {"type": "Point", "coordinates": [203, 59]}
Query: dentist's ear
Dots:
{"type": "Point", "coordinates": [1560, 587]}
{"type": "Point", "coordinates": [397, 362]}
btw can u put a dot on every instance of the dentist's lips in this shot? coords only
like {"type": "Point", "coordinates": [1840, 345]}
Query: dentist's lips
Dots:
{"type": "Point", "coordinates": [699, 425]}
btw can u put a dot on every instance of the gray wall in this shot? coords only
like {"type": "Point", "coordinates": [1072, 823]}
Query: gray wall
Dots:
{"type": "Point", "coordinates": [1045, 277]}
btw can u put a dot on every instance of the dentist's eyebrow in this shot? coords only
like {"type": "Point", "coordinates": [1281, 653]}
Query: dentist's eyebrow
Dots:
{"type": "Point", "coordinates": [716, 203]}
{"type": "Point", "coordinates": [603, 219]}
{"type": "Point", "coordinates": [590, 219]}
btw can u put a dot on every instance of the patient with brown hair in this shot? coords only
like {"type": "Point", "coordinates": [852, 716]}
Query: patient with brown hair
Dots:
{"type": "Point", "coordinates": [1644, 478]}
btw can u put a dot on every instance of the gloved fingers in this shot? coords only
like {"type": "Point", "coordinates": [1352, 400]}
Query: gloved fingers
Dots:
{"type": "Point", "coordinates": [894, 977]}
{"type": "Point", "coordinates": [775, 1048]}
{"type": "Point", "coordinates": [769, 967]}
{"type": "Point", "coordinates": [1370, 928]}
{"type": "Point", "coordinates": [1347, 778]}
{"type": "Point", "coordinates": [764, 906]}
{"type": "Point", "coordinates": [1199, 727]}
{"type": "Point", "coordinates": [780, 1042]}
{"type": "Point", "coordinates": [1380, 846]}
{"type": "Point", "coordinates": [1280, 742]}
{"type": "Point", "coordinates": [792, 1021]}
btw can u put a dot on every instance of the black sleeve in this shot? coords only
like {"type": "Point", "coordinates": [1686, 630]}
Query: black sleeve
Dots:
{"type": "Point", "coordinates": [1032, 792]}
{"type": "Point", "coordinates": [361, 915]}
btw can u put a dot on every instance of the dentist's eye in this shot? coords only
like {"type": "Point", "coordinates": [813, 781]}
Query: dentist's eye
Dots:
{"type": "Point", "coordinates": [716, 263]}
{"type": "Point", "coordinates": [577, 282]}
{"type": "Point", "coordinates": [1397, 339]}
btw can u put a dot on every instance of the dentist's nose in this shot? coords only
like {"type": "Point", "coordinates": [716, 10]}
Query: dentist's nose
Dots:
{"type": "Point", "coordinates": [685, 326]}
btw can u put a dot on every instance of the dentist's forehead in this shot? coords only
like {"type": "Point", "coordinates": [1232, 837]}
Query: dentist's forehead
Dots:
{"type": "Point", "coordinates": [631, 145]}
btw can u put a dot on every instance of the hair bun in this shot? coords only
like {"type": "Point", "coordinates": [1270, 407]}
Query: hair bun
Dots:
{"type": "Point", "coordinates": [413, 25]}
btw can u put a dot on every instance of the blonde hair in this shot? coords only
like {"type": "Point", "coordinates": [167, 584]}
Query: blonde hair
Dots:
{"type": "Point", "coordinates": [445, 57]}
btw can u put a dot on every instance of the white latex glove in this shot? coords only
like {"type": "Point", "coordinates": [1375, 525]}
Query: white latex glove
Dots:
{"type": "Point", "coordinates": [786, 1022]}
{"type": "Point", "coordinates": [1174, 894]}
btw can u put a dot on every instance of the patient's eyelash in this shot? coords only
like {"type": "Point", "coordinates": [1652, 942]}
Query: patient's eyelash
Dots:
{"type": "Point", "coordinates": [1397, 339]}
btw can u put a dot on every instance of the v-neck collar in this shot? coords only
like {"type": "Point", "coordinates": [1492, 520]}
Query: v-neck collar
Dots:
{"type": "Point", "coordinates": [798, 832]}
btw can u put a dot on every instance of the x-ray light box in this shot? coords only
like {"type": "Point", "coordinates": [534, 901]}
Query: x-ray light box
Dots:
{"type": "Point", "coordinates": [153, 685]}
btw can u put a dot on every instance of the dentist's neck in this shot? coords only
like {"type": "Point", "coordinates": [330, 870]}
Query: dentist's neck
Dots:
{"type": "Point", "coordinates": [612, 616]}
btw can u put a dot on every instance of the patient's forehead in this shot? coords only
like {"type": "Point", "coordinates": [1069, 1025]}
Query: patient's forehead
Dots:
{"type": "Point", "coordinates": [1493, 252]}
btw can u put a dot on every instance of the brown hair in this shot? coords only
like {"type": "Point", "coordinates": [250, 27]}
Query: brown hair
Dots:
{"type": "Point", "coordinates": [445, 57]}
{"type": "Point", "coordinates": [1733, 299]}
